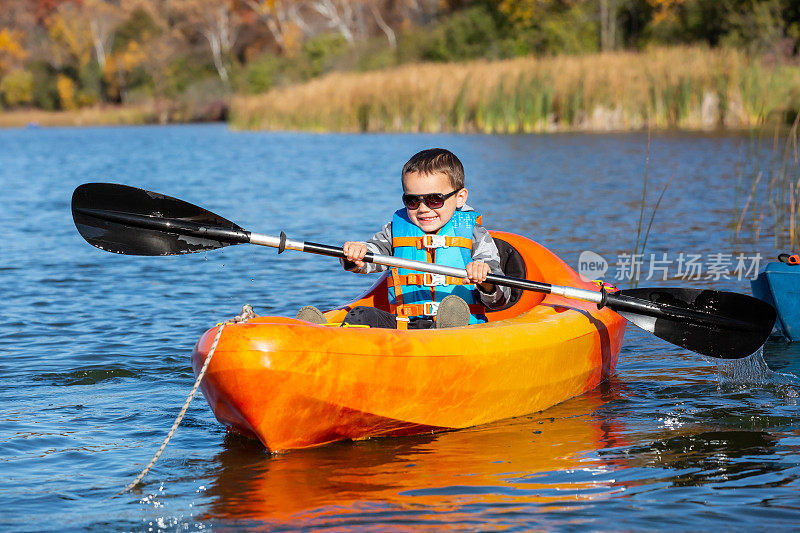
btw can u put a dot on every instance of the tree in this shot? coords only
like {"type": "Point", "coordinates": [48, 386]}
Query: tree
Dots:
{"type": "Point", "coordinates": [144, 50]}
{"type": "Point", "coordinates": [11, 52]}
{"type": "Point", "coordinates": [608, 24]}
{"type": "Point", "coordinates": [42, 9]}
{"type": "Point", "coordinates": [217, 22]}
{"type": "Point", "coordinates": [70, 36]}
{"type": "Point", "coordinates": [759, 26]}
{"type": "Point", "coordinates": [21, 40]}
{"type": "Point", "coordinates": [665, 9]}
{"type": "Point", "coordinates": [104, 18]}
{"type": "Point", "coordinates": [283, 20]}
{"type": "Point", "coordinates": [66, 92]}
{"type": "Point", "coordinates": [344, 16]}
{"type": "Point", "coordinates": [17, 88]}
{"type": "Point", "coordinates": [558, 26]}
{"type": "Point", "coordinates": [379, 20]}
{"type": "Point", "coordinates": [157, 57]}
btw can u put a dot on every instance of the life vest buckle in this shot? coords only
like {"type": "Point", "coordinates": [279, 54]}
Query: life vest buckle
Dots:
{"type": "Point", "coordinates": [434, 280]}
{"type": "Point", "coordinates": [430, 308]}
{"type": "Point", "coordinates": [434, 241]}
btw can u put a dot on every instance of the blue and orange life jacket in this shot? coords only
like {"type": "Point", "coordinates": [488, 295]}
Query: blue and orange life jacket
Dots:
{"type": "Point", "coordinates": [414, 294]}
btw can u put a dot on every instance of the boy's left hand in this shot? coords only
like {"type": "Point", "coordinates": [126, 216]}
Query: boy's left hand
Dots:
{"type": "Point", "coordinates": [477, 272]}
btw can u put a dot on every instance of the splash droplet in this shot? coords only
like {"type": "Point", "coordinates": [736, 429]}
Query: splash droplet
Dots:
{"type": "Point", "coordinates": [753, 371]}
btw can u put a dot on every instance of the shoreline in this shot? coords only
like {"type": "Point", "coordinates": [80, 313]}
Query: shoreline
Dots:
{"type": "Point", "coordinates": [121, 117]}
{"type": "Point", "coordinates": [92, 118]}
{"type": "Point", "coordinates": [147, 114]}
{"type": "Point", "coordinates": [684, 89]}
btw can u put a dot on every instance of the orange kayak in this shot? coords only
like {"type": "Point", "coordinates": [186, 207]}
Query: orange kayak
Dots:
{"type": "Point", "coordinates": [292, 384]}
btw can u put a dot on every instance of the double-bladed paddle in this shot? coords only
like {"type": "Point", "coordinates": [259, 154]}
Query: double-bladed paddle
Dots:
{"type": "Point", "coordinates": [132, 221]}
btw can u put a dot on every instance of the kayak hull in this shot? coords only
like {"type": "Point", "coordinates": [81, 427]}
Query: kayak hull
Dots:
{"type": "Point", "coordinates": [292, 384]}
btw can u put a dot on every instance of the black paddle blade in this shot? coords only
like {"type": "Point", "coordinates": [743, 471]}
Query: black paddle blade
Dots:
{"type": "Point", "coordinates": [725, 325]}
{"type": "Point", "coordinates": [127, 220]}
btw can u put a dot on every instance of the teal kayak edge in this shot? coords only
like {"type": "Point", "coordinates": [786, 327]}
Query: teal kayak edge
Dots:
{"type": "Point", "coordinates": [779, 285]}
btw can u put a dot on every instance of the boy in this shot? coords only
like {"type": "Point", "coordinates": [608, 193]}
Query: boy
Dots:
{"type": "Point", "coordinates": [436, 226]}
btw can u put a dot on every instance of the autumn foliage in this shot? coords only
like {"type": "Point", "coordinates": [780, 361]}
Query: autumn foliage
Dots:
{"type": "Point", "coordinates": [185, 59]}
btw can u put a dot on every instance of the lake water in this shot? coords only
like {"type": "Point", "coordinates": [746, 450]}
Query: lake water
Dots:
{"type": "Point", "coordinates": [94, 347]}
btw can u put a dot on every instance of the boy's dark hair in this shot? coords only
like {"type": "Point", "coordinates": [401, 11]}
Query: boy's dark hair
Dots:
{"type": "Point", "coordinates": [437, 160]}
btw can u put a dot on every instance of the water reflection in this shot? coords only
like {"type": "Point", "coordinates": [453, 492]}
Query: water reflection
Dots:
{"type": "Point", "coordinates": [782, 356]}
{"type": "Point", "coordinates": [705, 457]}
{"type": "Point", "coordinates": [530, 461]}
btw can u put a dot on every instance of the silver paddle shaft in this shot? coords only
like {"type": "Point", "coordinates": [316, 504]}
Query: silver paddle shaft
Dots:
{"type": "Point", "coordinates": [283, 243]}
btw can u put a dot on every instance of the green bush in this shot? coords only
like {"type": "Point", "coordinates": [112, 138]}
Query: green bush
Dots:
{"type": "Point", "coordinates": [262, 73]}
{"type": "Point", "coordinates": [410, 44]}
{"type": "Point", "coordinates": [467, 34]}
{"type": "Point", "coordinates": [17, 88]}
{"type": "Point", "coordinates": [184, 71]}
{"type": "Point", "coordinates": [92, 86]}
{"type": "Point", "coordinates": [376, 54]}
{"type": "Point", "coordinates": [574, 31]}
{"type": "Point", "coordinates": [321, 52]}
{"type": "Point", "coordinates": [269, 70]}
{"type": "Point", "coordinates": [759, 28]}
{"type": "Point", "coordinates": [139, 27]}
{"type": "Point", "coordinates": [45, 92]}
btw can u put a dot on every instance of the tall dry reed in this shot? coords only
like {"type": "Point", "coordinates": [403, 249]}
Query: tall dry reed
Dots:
{"type": "Point", "coordinates": [679, 87]}
{"type": "Point", "coordinates": [770, 178]}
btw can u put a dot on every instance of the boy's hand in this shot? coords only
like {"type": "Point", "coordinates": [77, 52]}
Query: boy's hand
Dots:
{"type": "Point", "coordinates": [355, 252]}
{"type": "Point", "coordinates": [476, 273]}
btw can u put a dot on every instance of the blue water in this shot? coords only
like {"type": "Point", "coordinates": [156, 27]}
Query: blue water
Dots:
{"type": "Point", "coordinates": [94, 347]}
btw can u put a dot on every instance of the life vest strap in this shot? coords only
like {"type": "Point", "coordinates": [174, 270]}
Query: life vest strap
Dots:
{"type": "Point", "coordinates": [430, 308]}
{"type": "Point", "coordinates": [430, 241]}
{"type": "Point", "coordinates": [394, 281]}
{"type": "Point", "coordinates": [425, 279]}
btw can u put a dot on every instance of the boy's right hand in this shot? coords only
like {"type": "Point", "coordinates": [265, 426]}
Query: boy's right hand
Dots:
{"type": "Point", "coordinates": [355, 252]}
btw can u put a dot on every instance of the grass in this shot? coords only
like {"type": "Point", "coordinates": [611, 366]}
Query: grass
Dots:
{"type": "Point", "coordinates": [679, 87]}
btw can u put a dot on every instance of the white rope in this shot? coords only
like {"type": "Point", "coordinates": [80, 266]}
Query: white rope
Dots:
{"type": "Point", "coordinates": [247, 312]}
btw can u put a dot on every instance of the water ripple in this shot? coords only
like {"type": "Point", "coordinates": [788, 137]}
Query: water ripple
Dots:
{"type": "Point", "coordinates": [94, 348]}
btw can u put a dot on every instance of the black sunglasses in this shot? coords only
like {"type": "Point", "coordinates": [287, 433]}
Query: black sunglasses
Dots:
{"type": "Point", "coordinates": [433, 200]}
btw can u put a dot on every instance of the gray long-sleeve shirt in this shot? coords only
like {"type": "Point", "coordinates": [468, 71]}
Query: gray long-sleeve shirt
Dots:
{"type": "Point", "coordinates": [483, 249]}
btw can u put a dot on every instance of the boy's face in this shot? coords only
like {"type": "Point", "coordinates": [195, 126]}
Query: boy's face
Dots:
{"type": "Point", "coordinates": [427, 219]}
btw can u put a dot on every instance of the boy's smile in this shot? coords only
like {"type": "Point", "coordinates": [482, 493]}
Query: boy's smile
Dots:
{"type": "Point", "coordinates": [427, 219]}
